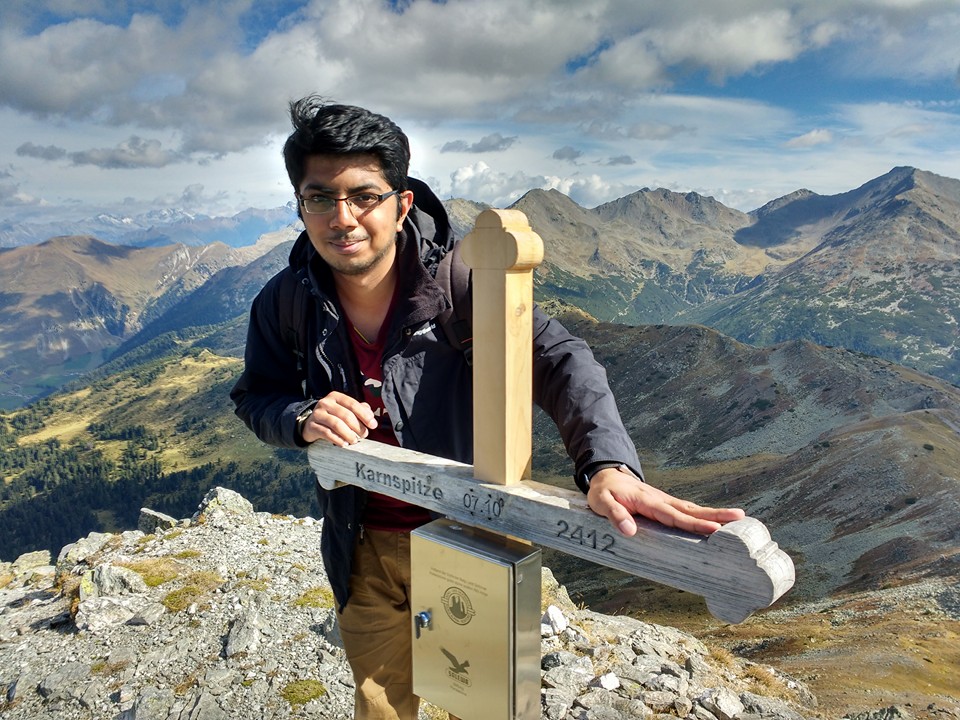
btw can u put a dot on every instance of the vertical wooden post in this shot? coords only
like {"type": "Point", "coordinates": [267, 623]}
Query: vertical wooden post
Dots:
{"type": "Point", "coordinates": [502, 250]}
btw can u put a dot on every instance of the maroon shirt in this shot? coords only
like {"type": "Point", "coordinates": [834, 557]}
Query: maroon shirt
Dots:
{"type": "Point", "coordinates": [382, 512]}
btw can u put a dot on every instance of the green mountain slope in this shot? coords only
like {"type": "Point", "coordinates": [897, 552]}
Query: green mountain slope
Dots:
{"type": "Point", "coordinates": [154, 434]}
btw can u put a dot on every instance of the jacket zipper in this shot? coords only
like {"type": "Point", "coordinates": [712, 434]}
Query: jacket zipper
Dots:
{"type": "Point", "coordinates": [329, 365]}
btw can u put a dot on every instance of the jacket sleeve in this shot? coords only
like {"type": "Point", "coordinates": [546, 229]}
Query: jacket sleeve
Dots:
{"type": "Point", "coordinates": [269, 394]}
{"type": "Point", "coordinates": [571, 387]}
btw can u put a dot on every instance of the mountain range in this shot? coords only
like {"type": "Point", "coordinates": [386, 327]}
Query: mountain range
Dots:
{"type": "Point", "coordinates": [850, 458]}
{"type": "Point", "coordinates": [874, 270]}
{"type": "Point", "coordinates": [70, 301]}
{"type": "Point", "coordinates": [155, 228]}
{"type": "Point", "coordinates": [850, 461]}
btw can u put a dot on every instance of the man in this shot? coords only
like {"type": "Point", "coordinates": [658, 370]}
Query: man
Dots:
{"type": "Point", "coordinates": [377, 365]}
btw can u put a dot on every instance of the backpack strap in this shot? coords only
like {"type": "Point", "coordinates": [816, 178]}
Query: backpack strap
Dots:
{"type": "Point", "coordinates": [453, 276]}
{"type": "Point", "coordinates": [292, 310]}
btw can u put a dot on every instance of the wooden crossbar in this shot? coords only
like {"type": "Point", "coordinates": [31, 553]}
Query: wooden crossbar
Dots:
{"type": "Point", "coordinates": [737, 569]}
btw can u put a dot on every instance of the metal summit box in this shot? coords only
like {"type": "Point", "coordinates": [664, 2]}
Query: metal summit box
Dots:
{"type": "Point", "coordinates": [476, 610]}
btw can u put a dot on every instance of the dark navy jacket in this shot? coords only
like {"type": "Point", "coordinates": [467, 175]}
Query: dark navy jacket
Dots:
{"type": "Point", "coordinates": [427, 384]}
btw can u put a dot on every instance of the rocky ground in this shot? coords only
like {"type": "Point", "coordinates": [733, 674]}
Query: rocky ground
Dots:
{"type": "Point", "coordinates": [228, 615]}
{"type": "Point", "coordinates": [858, 651]}
{"type": "Point", "coordinates": [867, 649]}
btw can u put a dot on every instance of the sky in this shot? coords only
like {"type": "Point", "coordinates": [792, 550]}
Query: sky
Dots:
{"type": "Point", "coordinates": [127, 106]}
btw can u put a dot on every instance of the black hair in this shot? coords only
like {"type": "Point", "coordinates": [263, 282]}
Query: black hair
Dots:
{"type": "Point", "coordinates": [322, 128]}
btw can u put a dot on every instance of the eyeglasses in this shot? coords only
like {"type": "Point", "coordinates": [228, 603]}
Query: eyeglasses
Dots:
{"type": "Point", "coordinates": [361, 202]}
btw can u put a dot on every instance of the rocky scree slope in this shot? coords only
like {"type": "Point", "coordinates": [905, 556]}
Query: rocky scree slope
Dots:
{"type": "Point", "coordinates": [229, 615]}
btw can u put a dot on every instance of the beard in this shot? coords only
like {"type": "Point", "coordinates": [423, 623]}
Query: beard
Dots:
{"type": "Point", "coordinates": [346, 265]}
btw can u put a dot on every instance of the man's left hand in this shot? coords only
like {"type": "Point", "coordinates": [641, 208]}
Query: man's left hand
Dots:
{"type": "Point", "coordinates": [618, 496]}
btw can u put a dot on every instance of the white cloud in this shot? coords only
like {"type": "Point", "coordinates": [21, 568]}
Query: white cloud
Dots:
{"type": "Point", "coordinates": [456, 58]}
{"type": "Point", "coordinates": [172, 88]}
{"type": "Point", "coordinates": [7, 191]}
{"type": "Point", "coordinates": [152, 76]}
{"type": "Point", "coordinates": [915, 42]}
{"type": "Point", "coordinates": [193, 198]}
{"type": "Point", "coordinates": [590, 190]}
{"type": "Point", "coordinates": [480, 182]}
{"type": "Point", "coordinates": [11, 196]}
{"type": "Point", "coordinates": [84, 68]}
{"type": "Point", "coordinates": [810, 139]}
{"type": "Point", "coordinates": [657, 131]}
{"type": "Point", "coordinates": [731, 46]}
{"type": "Point", "coordinates": [500, 189]}
{"type": "Point", "coordinates": [901, 126]}
{"type": "Point", "coordinates": [568, 153]}
{"type": "Point", "coordinates": [631, 64]}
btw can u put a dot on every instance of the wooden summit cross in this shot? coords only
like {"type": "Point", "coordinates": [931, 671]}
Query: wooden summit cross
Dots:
{"type": "Point", "coordinates": [738, 569]}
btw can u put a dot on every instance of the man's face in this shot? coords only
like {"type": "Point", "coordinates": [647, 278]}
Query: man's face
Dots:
{"type": "Point", "coordinates": [353, 241]}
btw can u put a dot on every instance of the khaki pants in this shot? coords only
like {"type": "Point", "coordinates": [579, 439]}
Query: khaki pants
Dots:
{"type": "Point", "coordinates": [376, 627]}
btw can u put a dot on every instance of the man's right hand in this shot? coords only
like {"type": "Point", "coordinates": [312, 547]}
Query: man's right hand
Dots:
{"type": "Point", "coordinates": [339, 419]}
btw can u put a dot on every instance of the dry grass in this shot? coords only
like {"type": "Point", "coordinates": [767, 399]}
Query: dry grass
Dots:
{"type": "Point", "coordinates": [156, 571]}
{"type": "Point", "coordinates": [723, 657]}
{"type": "Point", "coordinates": [185, 685]}
{"type": "Point", "coordinates": [187, 554]}
{"type": "Point", "coordinates": [767, 683]}
{"type": "Point", "coordinates": [252, 584]}
{"type": "Point", "coordinates": [197, 586]}
{"type": "Point", "coordinates": [104, 668]}
{"type": "Point", "coordinates": [316, 597]}
{"type": "Point", "coordinates": [300, 692]}
{"type": "Point", "coordinates": [207, 580]}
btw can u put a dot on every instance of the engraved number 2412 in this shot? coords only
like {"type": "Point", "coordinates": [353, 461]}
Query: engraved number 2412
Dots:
{"type": "Point", "coordinates": [587, 539]}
